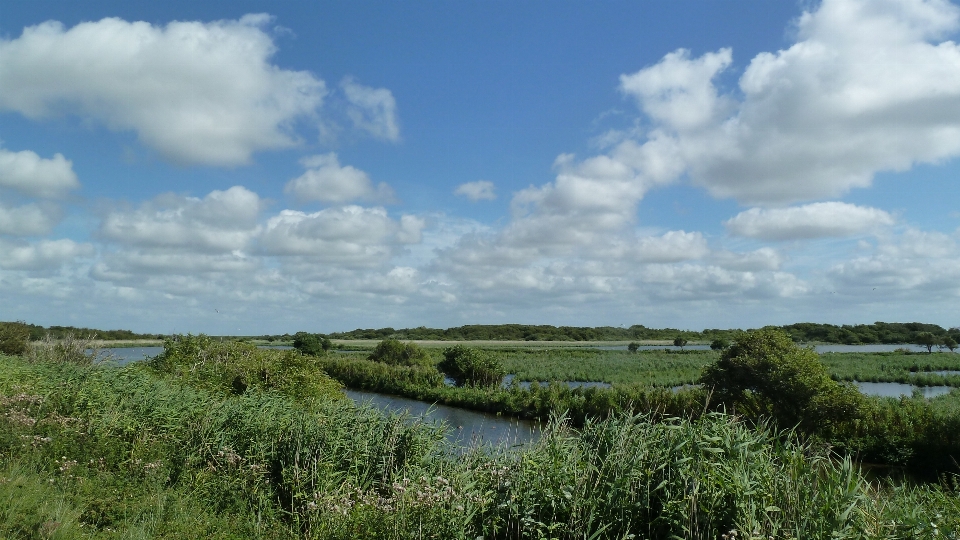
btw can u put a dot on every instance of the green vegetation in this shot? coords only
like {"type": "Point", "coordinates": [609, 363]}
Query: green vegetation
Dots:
{"type": "Point", "coordinates": [311, 344]}
{"type": "Point", "coordinates": [238, 367]}
{"type": "Point", "coordinates": [396, 353]}
{"type": "Point", "coordinates": [661, 368]}
{"type": "Point", "coordinates": [37, 333]}
{"type": "Point", "coordinates": [226, 440]}
{"type": "Point", "coordinates": [765, 374]}
{"type": "Point", "coordinates": [471, 367]}
{"type": "Point", "coordinates": [878, 332]}
{"type": "Point", "coordinates": [169, 450]}
{"type": "Point", "coordinates": [14, 338]}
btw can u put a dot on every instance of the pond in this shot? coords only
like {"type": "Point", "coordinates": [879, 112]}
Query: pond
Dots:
{"type": "Point", "coordinates": [466, 428]}
{"type": "Point", "coordinates": [895, 390]}
{"type": "Point", "coordinates": [122, 356]}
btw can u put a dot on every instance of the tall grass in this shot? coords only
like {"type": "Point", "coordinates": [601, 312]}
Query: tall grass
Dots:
{"type": "Point", "coordinates": [135, 452]}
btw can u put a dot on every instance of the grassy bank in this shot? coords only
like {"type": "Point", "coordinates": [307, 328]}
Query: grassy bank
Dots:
{"type": "Point", "coordinates": [135, 452]}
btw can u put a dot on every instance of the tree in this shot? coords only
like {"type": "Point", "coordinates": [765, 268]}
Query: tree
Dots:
{"type": "Point", "coordinates": [720, 344]}
{"type": "Point", "coordinates": [949, 342]}
{"type": "Point", "coordinates": [633, 346]}
{"type": "Point", "coordinates": [764, 373]}
{"type": "Point", "coordinates": [679, 342]}
{"type": "Point", "coordinates": [396, 353]}
{"type": "Point", "coordinates": [926, 339]}
{"type": "Point", "coordinates": [471, 367]}
{"type": "Point", "coordinates": [311, 344]}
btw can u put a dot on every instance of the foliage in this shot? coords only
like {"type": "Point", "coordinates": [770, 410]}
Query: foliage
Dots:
{"type": "Point", "coordinates": [237, 367]}
{"type": "Point", "coordinates": [38, 332]}
{"type": "Point", "coordinates": [765, 374]}
{"type": "Point", "coordinates": [311, 344]}
{"type": "Point", "coordinates": [719, 344]}
{"type": "Point", "coordinates": [679, 342]}
{"type": "Point", "coordinates": [98, 453]}
{"type": "Point", "coordinates": [14, 337]}
{"type": "Point", "coordinates": [396, 353]}
{"type": "Point", "coordinates": [926, 339]}
{"type": "Point", "coordinates": [68, 349]}
{"type": "Point", "coordinates": [471, 367]}
{"type": "Point", "coordinates": [633, 347]}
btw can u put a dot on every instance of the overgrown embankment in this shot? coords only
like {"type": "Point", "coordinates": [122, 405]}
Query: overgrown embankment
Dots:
{"type": "Point", "coordinates": [176, 450]}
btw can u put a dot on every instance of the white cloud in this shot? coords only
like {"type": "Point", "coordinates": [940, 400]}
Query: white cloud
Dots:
{"type": "Point", "coordinates": [31, 175]}
{"type": "Point", "coordinates": [816, 220]}
{"type": "Point", "coordinates": [679, 92]}
{"type": "Point", "coordinates": [481, 190]}
{"type": "Point", "coordinates": [754, 261]}
{"type": "Point", "coordinates": [868, 87]}
{"type": "Point", "coordinates": [673, 246]}
{"type": "Point", "coordinates": [28, 220]}
{"type": "Point", "coordinates": [45, 254]}
{"type": "Point", "coordinates": [222, 221]}
{"type": "Point", "coordinates": [373, 110]}
{"type": "Point", "coordinates": [195, 92]}
{"type": "Point", "coordinates": [901, 266]}
{"type": "Point", "coordinates": [327, 181]}
{"type": "Point", "coordinates": [349, 235]}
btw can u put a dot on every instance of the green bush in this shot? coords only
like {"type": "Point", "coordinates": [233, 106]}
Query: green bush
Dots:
{"type": "Point", "coordinates": [719, 344]}
{"type": "Point", "coordinates": [311, 344]}
{"type": "Point", "coordinates": [236, 367]}
{"type": "Point", "coordinates": [14, 337]}
{"type": "Point", "coordinates": [764, 373]}
{"type": "Point", "coordinates": [471, 367]}
{"type": "Point", "coordinates": [396, 353]}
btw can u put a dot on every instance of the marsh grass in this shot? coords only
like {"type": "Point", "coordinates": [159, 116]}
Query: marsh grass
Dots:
{"type": "Point", "coordinates": [140, 452]}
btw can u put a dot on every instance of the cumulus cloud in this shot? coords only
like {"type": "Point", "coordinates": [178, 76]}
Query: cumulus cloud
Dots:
{"type": "Point", "coordinates": [481, 190]}
{"type": "Point", "coordinates": [349, 235]}
{"type": "Point", "coordinates": [673, 246]}
{"type": "Point", "coordinates": [327, 181]}
{"type": "Point", "coordinates": [916, 260]}
{"type": "Point", "coordinates": [817, 220]}
{"type": "Point", "coordinates": [195, 92]}
{"type": "Point", "coordinates": [754, 261]}
{"type": "Point", "coordinates": [373, 110]}
{"type": "Point", "coordinates": [31, 175]}
{"type": "Point", "coordinates": [28, 220]}
{"type": "Point", "coordinates": [45, 254]}
{"type": "Point", "coordinates": [869, 86]}
{"type": "Point", "coordinates": [223, 221]}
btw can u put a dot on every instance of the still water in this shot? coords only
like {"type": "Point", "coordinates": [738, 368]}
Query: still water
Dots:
{"type": "Point", "coordinates": [895, 390]}
{"type": "Point", "coordinates": [465, 427]}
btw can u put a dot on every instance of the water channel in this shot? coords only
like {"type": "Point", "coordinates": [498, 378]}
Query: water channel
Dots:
{"type": "Point", "coordinates": [466, 428]}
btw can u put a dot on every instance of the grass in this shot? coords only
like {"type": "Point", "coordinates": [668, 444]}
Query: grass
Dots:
{"type": "Point", "coordinates": [91, 451]}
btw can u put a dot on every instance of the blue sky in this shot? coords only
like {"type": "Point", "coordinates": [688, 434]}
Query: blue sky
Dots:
{"type": "Point", "coordinates": [268, 167]}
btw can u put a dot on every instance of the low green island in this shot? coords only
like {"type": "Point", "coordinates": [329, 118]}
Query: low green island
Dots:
{"type": "Point", "coordinates": [703, 435]}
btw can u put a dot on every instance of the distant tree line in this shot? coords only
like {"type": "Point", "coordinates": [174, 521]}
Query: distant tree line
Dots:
{"type": "Point", "coordinates": [36, 332]}
{"type": "Point", "coordinates": [879, 332]}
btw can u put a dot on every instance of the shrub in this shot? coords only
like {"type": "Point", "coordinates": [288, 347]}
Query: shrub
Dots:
{"type": "Point", "coordinates": [471, 367]}
{"type": "Point", "coordinates": [764, 373]}
{"type": "Point", "coordinates": [69, 349]}
{"type": "Point", "coordinates": [236, 367]}
{"type": "Point", "coordinates": [633, 346]}
{"type": "Point", "coordinates": [396, 353]}
{"type": "Point", "coordinates": [14, 337]}
{"type": "Point", "coordinates": [311, 344]}
{"type": "Point", "coordinates": [720, 344]}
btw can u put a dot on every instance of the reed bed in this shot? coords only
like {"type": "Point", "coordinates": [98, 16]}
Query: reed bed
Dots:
{"type": "Point", "coordinates": [88, 451]}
